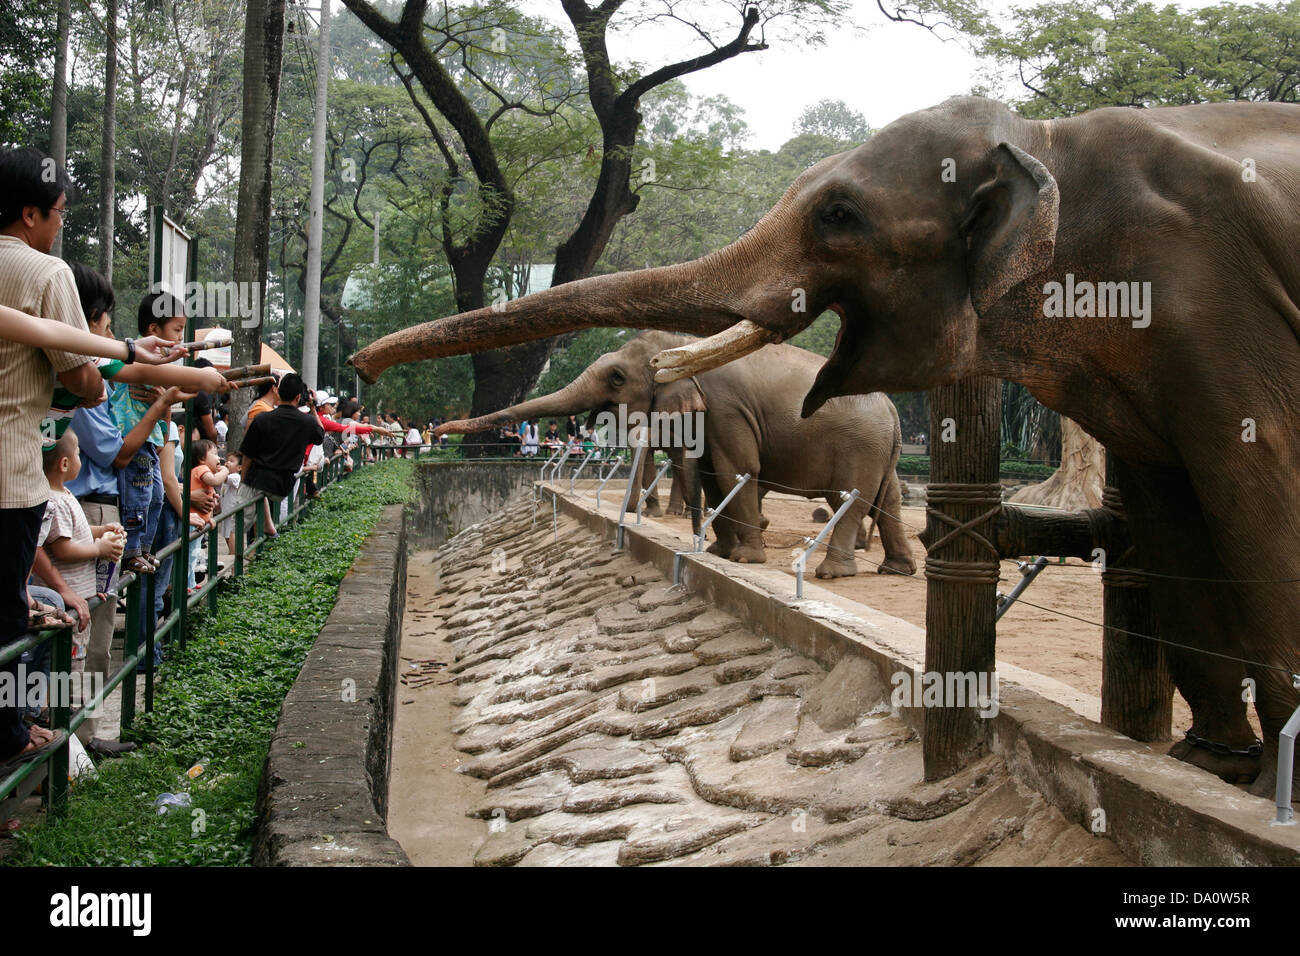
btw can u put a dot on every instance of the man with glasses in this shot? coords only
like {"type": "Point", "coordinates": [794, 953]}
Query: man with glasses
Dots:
{"type": "Point", "coordinates": [33, 203]}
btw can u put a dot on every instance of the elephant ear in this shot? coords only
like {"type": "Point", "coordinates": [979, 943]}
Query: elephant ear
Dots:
{"type": "Point", "coordinates": [1010, 225]}
{"type": "Point", "coordinates": [684, 395]}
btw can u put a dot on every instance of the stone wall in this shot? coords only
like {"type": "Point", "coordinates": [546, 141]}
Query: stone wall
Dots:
{"type": "Point", "coordinates": [323, 798]}
{"type": "Point", "coordinates": [456, 494]}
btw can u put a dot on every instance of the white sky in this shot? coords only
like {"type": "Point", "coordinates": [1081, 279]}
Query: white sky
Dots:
{"type": "Point", "coordinates": [883, 71]}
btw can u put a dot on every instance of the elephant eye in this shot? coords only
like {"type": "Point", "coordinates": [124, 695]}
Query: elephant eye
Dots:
{"type": "Point", "coordinates": [616, 378]}
{"type": "Point", "coordinates": [837, 215]}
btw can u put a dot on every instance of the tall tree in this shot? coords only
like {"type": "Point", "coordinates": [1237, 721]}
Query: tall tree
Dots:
{"type": "Point", "coordinates": [263, 51]}
{"type": "Point", "coordinates": [108, 143]}
{"type": "Point", "coordinates": [59, 101]}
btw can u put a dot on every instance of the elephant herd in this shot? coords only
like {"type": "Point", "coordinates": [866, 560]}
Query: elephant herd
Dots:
{"type": "Point", "coordinates": [944, 243]}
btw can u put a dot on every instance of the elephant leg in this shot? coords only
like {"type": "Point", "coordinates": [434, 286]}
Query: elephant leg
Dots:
{"type": "Point", "coordinates": [893, 536]}
{"type": "Point", "coordinates": [724, 534]}
{"type": "Point", "coordinates": [677, 495]}
{"type": "Point", "coordinates": [839, 561]}
{"type": "Point", "coordinates": [652, 507]}
{"type": "Point", "coordinates": [1254, 523]}
{"type": "Point", "coordinates": [863, 542]}
{"type": "Point", "coordinates": [762, 519]}
{"type": "Point", "coordinates": [741, 517]}
{"type": "Point", "coordinates": [1171, 537]}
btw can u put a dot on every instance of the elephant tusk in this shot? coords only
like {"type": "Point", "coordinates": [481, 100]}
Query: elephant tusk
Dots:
{"type": "Point", "coordinates": [727, 346]}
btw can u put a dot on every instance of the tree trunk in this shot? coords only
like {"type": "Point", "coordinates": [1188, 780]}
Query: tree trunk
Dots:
{"type": "Point", "coordinates": [1137, 690]}
{"type": "Point", "coordinates": [107, 148]}
{"type": "Point", "coordinates": [263, 48]}
{"type": "Point", "coordinates": [1078, 482]}
{"type": "Point", "coordinates": [316, 204]}
{"type": "Point", "coordinates": [59, 107]}
{"type": "Point", "coordinates": [961, 573]}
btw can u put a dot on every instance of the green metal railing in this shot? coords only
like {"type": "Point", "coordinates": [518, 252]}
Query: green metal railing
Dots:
{"type": "Point", "coordinates": [140, 641]}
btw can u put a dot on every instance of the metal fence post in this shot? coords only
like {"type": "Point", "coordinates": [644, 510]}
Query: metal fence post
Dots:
{"type": "Point", "coordinates": [1285, 769]}
{"type": "Point", "coordinates": [646, 491]}
{"type": "Point", "coordinates": [60, 712]}
{"type": "Point", "coordinates": [573, 478]}
{"type": "Point", "coordinates": [1027, 574]}
{"type": "Point", "coordinates": [613, 468]}
{"type": "Point", "coordinates": [799, 563]}
{"type": "Point", "coordinates": [632, 477]}
{"type": "Point", "coordinates": [239, 542]}
{"type": "Point", "coordinates": [150, 622]}
{"type": "Point", "coordinates": [131, 647]}
{"type": "Point", "coordinates": [712, 513]}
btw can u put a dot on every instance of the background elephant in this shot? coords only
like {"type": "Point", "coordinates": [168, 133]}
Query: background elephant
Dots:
{"type": "Point", "coordinates": [1136, 269]}
{"type": "Point", "coordinates": [752, 423]}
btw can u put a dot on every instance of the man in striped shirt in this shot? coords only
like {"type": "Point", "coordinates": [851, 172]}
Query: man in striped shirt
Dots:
{"type": "Point", "coordinates": [33, 202]}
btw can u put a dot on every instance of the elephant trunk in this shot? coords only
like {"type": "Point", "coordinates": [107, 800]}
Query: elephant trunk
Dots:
{"type": "Point", "coordinates": [576, 397]}
{"type": "Point", "coordinates": [705, 296]}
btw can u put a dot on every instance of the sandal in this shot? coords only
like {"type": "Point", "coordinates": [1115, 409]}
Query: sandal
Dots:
{"type": "Point", "coordinates": [43, 617]}
{"type": "Point", "coordinates": [57, 737]}
{"type": "Point", "coordinates": [149, 556]}
{"type": "Point", "coordinates": [138, 565]}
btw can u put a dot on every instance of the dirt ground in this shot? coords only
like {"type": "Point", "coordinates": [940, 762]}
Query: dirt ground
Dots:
{"type": "Point", "coordinates": [1044, 641]}
{"type": "Point", "coordinates": [427, 798]}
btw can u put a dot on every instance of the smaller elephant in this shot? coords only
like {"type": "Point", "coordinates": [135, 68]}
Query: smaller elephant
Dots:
{"type": "Point", "coordinates": [751, 423]}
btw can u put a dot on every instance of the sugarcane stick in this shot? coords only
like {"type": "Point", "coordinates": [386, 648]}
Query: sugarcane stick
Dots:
{"type": "Point", "coordinates": [247, 371]}
{"type": "Point", "coordinates": [201, 346]}
{"type": "Point", "coordinates": [250, 382]}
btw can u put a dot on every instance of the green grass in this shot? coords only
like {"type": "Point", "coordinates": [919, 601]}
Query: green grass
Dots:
{"type": "Point", "coordinates": [920, 465]}
{"type": "Point", "coordinates": [220, 699]}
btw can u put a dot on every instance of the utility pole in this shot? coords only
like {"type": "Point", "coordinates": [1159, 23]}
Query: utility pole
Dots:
{"type": "Point", "coordinates": [311, 309]}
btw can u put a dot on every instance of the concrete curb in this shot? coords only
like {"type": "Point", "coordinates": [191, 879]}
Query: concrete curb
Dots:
{"type": "Point", "coordinates": [1157, 810]}
{"type": "Point", "coordinates": [323, 798]}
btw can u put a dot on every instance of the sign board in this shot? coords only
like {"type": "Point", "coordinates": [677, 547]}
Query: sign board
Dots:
{"type": "Point", "coordinates": [171, 263]}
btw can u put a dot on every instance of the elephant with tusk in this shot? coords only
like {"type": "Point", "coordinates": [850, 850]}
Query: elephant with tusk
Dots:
{"type": "Point", "coordinates": [751, 423]}
{"type": "Point", "coordinates": [1136, 269]}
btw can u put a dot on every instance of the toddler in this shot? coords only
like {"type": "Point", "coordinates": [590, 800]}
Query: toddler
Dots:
{"type": "Point", "coordinates": [234, 475]}
{"type": "Point", "coordinates": [73, 544]}
{"type": "Point", "coordinates": [208, 473]}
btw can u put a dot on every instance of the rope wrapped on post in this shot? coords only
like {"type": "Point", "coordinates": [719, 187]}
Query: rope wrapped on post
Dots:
{"type": "Point", "coordinates": [987, 494]}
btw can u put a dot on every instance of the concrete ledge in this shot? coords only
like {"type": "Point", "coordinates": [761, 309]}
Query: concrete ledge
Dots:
{"type": "Point", "coordinates": [1157, 810]}
{"type": "Point", "coordinates": [323, 798]}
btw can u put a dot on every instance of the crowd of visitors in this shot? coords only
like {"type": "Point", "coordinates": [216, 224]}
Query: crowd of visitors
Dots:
{"type": "Point", "coordinates": [522, 440]}
{"type": "Point", "coordinates": [92, 466]}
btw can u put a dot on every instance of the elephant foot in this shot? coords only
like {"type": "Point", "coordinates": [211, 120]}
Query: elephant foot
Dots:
{"type": "Point", "coordinates": [676, 510]}
{"type": "Point", "coordinates": [749, 554]}
{"type": "Point", "coordinates": [837, 568]}
{"type": "Point", "coordinates": [652, 509]}
{"type": "Point", "coordinates": [720, 549]}
{"type": "Point", "coordinates": [863, 542]}
{"type": "Point", "coordinates": [1230, 768]}
{"type": "Point", "coordinates": [897, 565]}
{"type": "Point", "coordinates": [763, 523]}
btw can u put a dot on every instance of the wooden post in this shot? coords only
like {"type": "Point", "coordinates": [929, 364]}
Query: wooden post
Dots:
{"type": "Point", "coordinates": [962, 565]}
{"type": "Point", "coordinates": [1136, 687]}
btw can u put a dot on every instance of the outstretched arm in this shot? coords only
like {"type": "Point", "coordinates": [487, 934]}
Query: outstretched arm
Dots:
{"type": "Point", "coordinates": [40, 333]}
